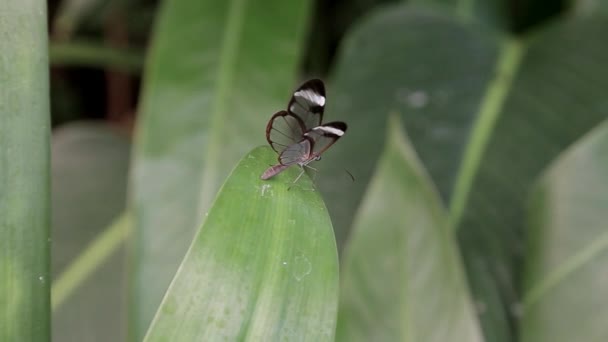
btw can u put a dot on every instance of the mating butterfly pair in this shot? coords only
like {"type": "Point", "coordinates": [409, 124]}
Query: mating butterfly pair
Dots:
{"type": "Point", "coordinates": [297, 134]}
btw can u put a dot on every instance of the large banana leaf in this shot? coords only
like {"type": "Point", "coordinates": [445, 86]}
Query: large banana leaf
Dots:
{"type": "Point", "coordinates": [565, 291]}
{"type": "Point", "coordinates": [402, 278]}
{"type": "Point", "coordinates": [553, 100]}
{"type": "Point", "coordinates": [264, 266]}
{"type": "Point", "coordinates": [24, 172]}
{"type": "Point", "coordinates": [217, 71]}
{"type": "Point", "coordinates": [485, 115]}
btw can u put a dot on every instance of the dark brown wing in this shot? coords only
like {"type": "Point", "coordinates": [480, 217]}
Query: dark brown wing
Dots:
{"type": "Point", "coordinates": [308, 103]}
{"type": "Point", "coordinates": [324, 136]}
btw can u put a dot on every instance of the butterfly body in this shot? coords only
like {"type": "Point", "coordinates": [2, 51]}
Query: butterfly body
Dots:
{"type": "Point", "coordinates": [297, 134]}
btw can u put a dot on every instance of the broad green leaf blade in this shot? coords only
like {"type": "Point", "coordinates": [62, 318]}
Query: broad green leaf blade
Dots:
{"type": "Point", "coordinates": [484, 115]}
{"type": "Point", "coordinates": [24, 172]}
{"type": "Point", "coordinates": [432, 70]}
{"type": "Point", "coordinates": [89, 183]}
{"type": "Point", "coordinates": [554, 99]}
{"type": "Point", "coordinates": [217, 71]}
{"type": "Point", "coordinates": [438, 74]}
{"type": "Point", "coordinates": [565, 293]}
{"type": "Point", "coordinates": [263, 267]}
{"type": "Point", "coordinates": [402, 278]}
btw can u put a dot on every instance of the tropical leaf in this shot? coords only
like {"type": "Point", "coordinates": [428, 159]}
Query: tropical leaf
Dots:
{"type": "Point", "coordinates": [485, 114]}
{"type": "Point", "coordinates": [402, 278]}
{"type": "Point", "coordinates": [24, 172]}
{"type": "Point", "coordinates": [533, 126]}
{"type": "Point", "coordinates": [565, 296]}
{"type": "Point", "coordinates": [217, 71]}
{"type": "Point", "coordinates": [264, 266]}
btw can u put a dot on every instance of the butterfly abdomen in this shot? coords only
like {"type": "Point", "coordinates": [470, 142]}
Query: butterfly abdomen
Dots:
{"type": "Point", "coordinates": [273, 170]}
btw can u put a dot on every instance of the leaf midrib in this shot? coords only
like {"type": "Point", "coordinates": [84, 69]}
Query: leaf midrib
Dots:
{"type": "Point", "coordinates": [491, 105]}
{"type": "Point", "coordinates": [566, 269]}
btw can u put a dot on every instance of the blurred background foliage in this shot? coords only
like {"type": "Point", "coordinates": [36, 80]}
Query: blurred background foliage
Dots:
{"type": "Point", "coordinates": [492, 194]}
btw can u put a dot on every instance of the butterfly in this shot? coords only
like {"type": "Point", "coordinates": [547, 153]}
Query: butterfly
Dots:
{"type": "Point", "coordinates": [297, 134]}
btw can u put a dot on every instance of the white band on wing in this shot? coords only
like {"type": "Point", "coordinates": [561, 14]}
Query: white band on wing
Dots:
{"type": "Point", "coordinates": [329, 129]}
{"type": "Point", "coordinates": [311, 96]}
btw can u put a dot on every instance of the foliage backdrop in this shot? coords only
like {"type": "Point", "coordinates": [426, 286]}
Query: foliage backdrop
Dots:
{"type": "Point", "coordinates": [476, 136]}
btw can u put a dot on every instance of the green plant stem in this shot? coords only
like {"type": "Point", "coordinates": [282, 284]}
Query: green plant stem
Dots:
{"type": "Point", "coordinates": [508, 63]}
{"type": "Point", "coordinates": [587, 255]}
{"type": "Point", "coordinates": [92, 54]}
{"type": "Point", "coordinates": [95, 254]}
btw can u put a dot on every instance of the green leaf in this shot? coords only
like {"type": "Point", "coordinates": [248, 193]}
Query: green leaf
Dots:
{"type": "Point", "coordinates": [402, 278]}
{"type": "Point", "coordinates": [89, 184]}
{"type": "Point", "coordinates": [263, 267]}
{"type": "Point", "coordinates": [24, 172]}
{"type": "Point", "coordinates": [447, 76]}
{"type": "Point", "coordinates": [216, 72]}
{"type": "Point", "coordinates": [433, 70]}
{"type": "Point", "coordinates": [565, 280]}
{"type": "Point", "coordinates": [485, 114]}
{"type": "Point", "coordinates": [554, 99]}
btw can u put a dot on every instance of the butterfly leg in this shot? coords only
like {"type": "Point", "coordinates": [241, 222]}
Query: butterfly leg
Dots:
{"type": "Point", "coordinates": [297, 178]}
{"type": "Point", "coordinates": [314, 176]}
{"type": "Point", "coordinates": [310, 167]}
{"type": "Point", "coordinates": [300, 175]}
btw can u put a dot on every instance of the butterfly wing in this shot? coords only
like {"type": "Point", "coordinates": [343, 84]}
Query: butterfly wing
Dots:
{"type": "Point", "coordinates": [283, 130]}
{"type": "Point", "coordinates": [292, 154]}
{"type": "Point", "coordinates": [296, 153]}
{"type": "Point", "coordinates": [297, 134]}
{"type": "Point", "coordinates": [324, 136]}
{"type": "Point", "coordinates": [308, 103]}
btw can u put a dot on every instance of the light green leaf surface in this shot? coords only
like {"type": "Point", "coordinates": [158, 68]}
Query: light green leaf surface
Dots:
{"type": "Point", "coordinates": [216, 73]}
{"type": "Point", "coordinates": [566, 289]}
{"type": "Point", "coordinates": [402, 278]}
{"type": "Point", "coordinates": [263, 267]}
{"type": "Point", "coordinates": [484, 113]}
{"type": "Point", "coordinates": [89, 184]}
{"type": "Point", "coordinates": [433, 70]}
{"type": "Point", "coordinates": [24, 172]}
